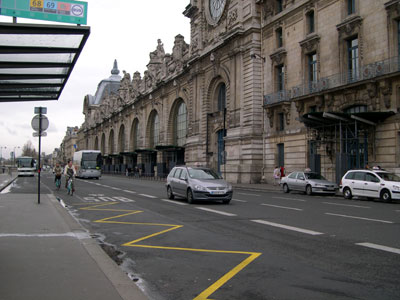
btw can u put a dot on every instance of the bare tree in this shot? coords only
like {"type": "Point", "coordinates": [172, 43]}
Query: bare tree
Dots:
{"type": "Point", "coordinates": [29, 150]}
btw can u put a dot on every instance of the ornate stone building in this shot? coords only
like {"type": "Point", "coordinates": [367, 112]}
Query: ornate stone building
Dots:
{"type": "Point", "coordinates": [69, 144]}
{"type": "Point", "coordinates": [199, 105]}
{"type": "Point", "coordinates": [332, 84]}
{"type": "Point", "coordinates": [300, 83]}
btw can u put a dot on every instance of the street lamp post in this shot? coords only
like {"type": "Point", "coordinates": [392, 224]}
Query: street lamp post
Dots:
{"type": "Point", "coordinates": [1, 153]}
{"type": "Point", "coordinates": [15, 154]}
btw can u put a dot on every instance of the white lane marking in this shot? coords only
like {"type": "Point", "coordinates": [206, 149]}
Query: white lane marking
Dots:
{"type": "Point", "coordinates": [297, 229]}
{"type": "Point", "coordinates": [249, 194]}
{"type": "Point", "coordinates": [284, 207]}
{"type": "Point", "coordinates": [117, 189]}
{"type": "Point", "coordinates": [360, 218]}
{"type": "Point", "coordinates": [78, 235]}
{"type": "Point", "coordinates": [347, 205]}
{"type": "Point", "coordinates": [239, 200]}
{"type": "Point", "coordinates": [217, 211]}
{"type": "Point", "coordinates": [128, 191]}
{"type": "Point", "coordinates": [292, 199]}
{"type": "Point", "coordinates": [174, 202]}
{"type": "Point", "coordinates": [148, 196]}
{"type": "Point", "coordinates": [380, 247]}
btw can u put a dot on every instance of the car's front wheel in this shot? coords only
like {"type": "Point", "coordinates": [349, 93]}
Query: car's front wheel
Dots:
{"type": "Point", "coordinates": [385, 196]}
{"type": "Point", "coordinates": [347, 193]}
{"type": "Point", "coordinates": [286, 188]}
{"type": "Point", "coordinates": [170, 194]}
{"type": "Point", "coordinates": [189, 196]}
{"type": "Point", "coordinates": [309, 190]}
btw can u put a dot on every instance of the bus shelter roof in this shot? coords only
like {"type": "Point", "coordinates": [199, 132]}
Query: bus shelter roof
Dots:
{"type": "Point", "coordinates": [36, 60]}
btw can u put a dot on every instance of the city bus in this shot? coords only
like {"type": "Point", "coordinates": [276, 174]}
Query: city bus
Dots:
{"type": "Point", "coordinates": [26, 166]}
{"type": "Point", "coordinates": [88, 163]}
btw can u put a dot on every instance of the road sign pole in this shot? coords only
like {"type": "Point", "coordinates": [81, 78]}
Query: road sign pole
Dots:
{"type": "Point", "coordinates": [40, 144]}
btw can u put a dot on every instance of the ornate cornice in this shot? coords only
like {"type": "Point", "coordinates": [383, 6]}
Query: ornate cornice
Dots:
{"type": "Point", "coordinates": [310, 43]}
{"type": "Point", "coordinates": [349, 26]}
{"type": "Point", "coordinates": [278, 56]}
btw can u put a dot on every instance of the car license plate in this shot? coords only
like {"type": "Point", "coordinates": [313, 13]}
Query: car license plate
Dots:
{"type": "Point", "coordinates": [217, 192]}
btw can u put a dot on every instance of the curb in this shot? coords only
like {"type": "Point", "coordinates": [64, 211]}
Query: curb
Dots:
{"type": "Point", "coordinates": [8, 183]}
{"type": "Point", "coordinates": [125, 287]}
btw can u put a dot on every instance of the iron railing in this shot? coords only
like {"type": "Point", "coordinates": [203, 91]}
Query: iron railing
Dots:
{"type": "Point", "coordinates": [365, 72]}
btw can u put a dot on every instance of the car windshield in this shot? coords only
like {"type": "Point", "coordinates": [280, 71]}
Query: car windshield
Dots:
{"type": "Point", "coordinates": [389, 176]}
{"type": "Point", "coordinates": [314, 176]}
{"type": "Point", "coordinates": [203, 174]}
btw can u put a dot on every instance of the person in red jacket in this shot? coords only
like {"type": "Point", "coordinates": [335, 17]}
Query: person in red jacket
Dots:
{"type": "Point", "coordinates": [282, 171]}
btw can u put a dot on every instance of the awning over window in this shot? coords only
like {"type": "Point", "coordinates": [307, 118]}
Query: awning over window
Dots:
{"type": "Point", "coordinates": [145, 151]}
{"type": "Point", "coordinates": [168, 148]}
{"type": "Point", "coordinates": [318, 119]}
{"type": "Point", "coordinates": [128, 153]}
{"type": "Point", "coordinates": [37, 60]}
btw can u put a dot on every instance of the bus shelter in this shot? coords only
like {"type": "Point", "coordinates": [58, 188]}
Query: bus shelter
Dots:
{"type": "Point", "coordinates": [36, 60]}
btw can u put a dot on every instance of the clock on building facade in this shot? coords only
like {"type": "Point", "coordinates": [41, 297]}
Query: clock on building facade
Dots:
{"type": "Point", "coordinates": [215, 10]}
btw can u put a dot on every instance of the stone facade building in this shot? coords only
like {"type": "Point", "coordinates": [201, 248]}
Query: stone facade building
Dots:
{"type": "Point", "coordinates": [262, 83]}
{"type": "Point", "coordinates": [68, 145]}
{"type": "Point", "coordinates": [332, 85]}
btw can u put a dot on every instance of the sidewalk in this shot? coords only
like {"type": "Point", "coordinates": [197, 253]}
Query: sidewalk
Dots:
{"type": "Point", "coordinates": [257, 186]}
{"type": "Point", "coordinates": [45, 254]}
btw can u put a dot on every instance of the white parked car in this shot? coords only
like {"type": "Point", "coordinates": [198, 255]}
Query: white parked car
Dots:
{"type": "Point", "coordinates": [371, 184]}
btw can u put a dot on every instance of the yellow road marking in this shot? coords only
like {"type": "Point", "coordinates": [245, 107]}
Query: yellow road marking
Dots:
{"type": "Point", "coordinates": [212, 288]}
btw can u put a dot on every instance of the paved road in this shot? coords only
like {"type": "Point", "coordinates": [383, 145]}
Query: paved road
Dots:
{"type": "Point", "coordinates": [264, 245]}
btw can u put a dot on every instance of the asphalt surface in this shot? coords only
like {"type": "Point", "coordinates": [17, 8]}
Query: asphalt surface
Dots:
{"type": "Point", "coordinates": [264, 245]}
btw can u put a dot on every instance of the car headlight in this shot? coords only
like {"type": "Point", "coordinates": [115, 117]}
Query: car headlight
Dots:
{"type": "Point", "coordinates": [319, 184]}
{"type": "Point", "coordinates": [396, 188]}
{"type": "Point", "coordinates": [229, 187]}
{"type": "Point", "coordinates": [199, 187]}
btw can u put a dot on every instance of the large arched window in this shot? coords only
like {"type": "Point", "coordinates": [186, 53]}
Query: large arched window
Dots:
{"type": "Point", "coordinates": [111, 142]}
{"type": "Point", "coordinates": [356, 109]}
{"type": "Point", "coordinates": [180, 125]}
{"type": "Point", "coordinates": [96, 143]}
{"type": "Point", "coordinates": [135, 135]}
{"type": "Point", "coordinates": [154, 130]}
{"type": "Point", "coordinates": [121, 139]}
{"type": "Point", "coordinates": [221, 97]}
{"type": "Point", "coordinates": [103, 144]}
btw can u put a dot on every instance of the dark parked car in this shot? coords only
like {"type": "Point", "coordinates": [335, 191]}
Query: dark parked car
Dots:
{"type": "Point", "coordinates": [198, 184]}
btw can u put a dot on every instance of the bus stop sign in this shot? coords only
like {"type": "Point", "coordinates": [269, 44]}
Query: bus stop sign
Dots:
{"type": "Point", "coordinates": [36, 120]}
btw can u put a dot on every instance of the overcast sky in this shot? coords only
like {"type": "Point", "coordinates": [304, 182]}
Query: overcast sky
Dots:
{"type": "Point", "coordinates": [126, 30]}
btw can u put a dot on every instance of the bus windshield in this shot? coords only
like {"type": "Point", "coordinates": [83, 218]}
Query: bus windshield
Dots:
{"type": "Point", "coordinates": [26, 162]}
{"type": "Point", "coordinates": [91, 160]}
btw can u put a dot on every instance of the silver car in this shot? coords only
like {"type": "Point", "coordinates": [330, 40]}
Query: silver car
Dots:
{"type": "Point", "coordinates": [198, 184]}
{"type": "Point", "coordinates": [308, 182]}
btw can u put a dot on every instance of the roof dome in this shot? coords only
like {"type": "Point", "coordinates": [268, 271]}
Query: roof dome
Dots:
{"type": "Point", "coordinates": [109, 85]}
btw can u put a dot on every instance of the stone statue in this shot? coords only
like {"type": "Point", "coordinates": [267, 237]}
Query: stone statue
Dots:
{"type": "Point", "coordinates": [179, 51]}
{"type": "Point", "coordinates": [136, 83]}
{"type": "Point", "coordinates": [160, 49]}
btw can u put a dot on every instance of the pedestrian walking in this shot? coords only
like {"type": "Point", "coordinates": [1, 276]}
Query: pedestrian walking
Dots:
{"type": "Point", "coordinates": [282, 171]}
{"type": "Point", "coordinates": [277, 175]}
